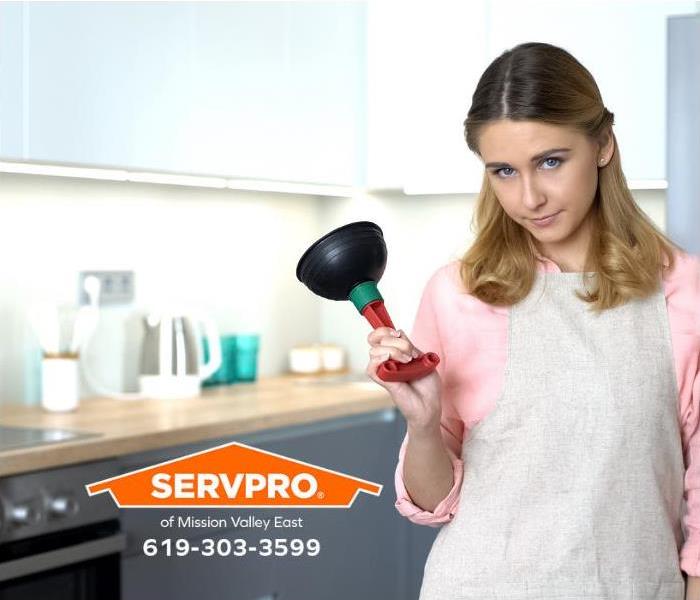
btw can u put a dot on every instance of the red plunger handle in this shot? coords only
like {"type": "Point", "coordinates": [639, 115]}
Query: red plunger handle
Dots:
{"type": "Point", "coordinates": [393, 370]}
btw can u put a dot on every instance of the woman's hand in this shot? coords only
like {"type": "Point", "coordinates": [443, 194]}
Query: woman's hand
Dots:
{"type": "Point", "coordinates": [418, 400]}
{"type": "Point", "coordinates": [692, 589]}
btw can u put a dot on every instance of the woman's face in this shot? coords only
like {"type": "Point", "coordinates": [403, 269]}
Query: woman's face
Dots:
{"type": "Point", "coordinates": [538, 170]}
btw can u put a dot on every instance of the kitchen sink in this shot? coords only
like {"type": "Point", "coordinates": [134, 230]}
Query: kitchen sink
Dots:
{"type": "Point", "coordinates": [22, 437]}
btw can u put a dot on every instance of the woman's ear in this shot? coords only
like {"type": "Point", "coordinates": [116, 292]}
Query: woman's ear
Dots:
{"type": "Point", "coordinates": [606, 145]}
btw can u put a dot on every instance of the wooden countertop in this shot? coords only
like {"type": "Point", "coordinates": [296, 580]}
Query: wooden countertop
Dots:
{"type": "Point", "coordinates": [131, 426]}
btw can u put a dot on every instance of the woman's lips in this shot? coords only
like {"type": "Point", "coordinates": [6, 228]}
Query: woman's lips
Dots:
{"type": "Point", "coordinates": [544, 221]}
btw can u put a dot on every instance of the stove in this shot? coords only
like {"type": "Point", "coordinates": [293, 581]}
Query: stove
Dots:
{"type": "Point", "coordinates": [55, 541]}
{"type": "Point", "coordinates": [22, 437]}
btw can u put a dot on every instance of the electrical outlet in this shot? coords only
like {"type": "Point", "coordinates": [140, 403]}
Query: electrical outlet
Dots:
{"type": "Point", "coordinates": [116, 287]}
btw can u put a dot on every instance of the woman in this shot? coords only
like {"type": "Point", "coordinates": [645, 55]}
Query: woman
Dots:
{"type": "Point", "coordinates": [554, 441]}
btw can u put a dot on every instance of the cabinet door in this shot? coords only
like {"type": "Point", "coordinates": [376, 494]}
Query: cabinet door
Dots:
{"type": "Point", "coordinates": [324, 102]}
{"type": "Point", "coordinates": [278, 90]}
{"type": "Point", "coordinates": [212, 577]}
{"type": "Point", "coordinates": [363, 549]}
{"type": "Point", "coordinates": [198, 577]}
{"type": "Point", "coordinates": [447, 56]}
{"type": "Point", "coordinates": [623, 45]}
{"type": "Point", "coordinates": [107, 82]}
{"type": "Point", "coordinates": [389, 75]}
{"type": "Point", "coordinates": [242, 89]}
{"type": "Point", "coordinates": [11, 81]}
{"type": "Point", "coordinates": [417, 541]}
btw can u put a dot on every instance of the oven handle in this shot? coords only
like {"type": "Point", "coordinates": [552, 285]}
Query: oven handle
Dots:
{"type": "Point", "coordinates": [30, 565]}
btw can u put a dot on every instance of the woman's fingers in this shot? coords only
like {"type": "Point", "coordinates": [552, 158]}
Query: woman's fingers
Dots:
{"type": "Point", "coordinates": [415, 353]}
{"type": "Point", "coordinates": [381, 332]}
{"type": "Point", "coordinates": [383, 337]}
{"type": "Point", "coordinates": [382, 353]}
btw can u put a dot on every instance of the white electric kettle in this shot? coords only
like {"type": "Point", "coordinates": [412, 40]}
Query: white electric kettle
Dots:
{"type": "Point", "coordinates": [172, 352]}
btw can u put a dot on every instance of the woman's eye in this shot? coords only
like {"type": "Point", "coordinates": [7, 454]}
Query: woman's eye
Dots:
{"type": "Point", "coordinates": [498, 171]}
{"type": "Point", "coordinates": [551, 158]}
{"type": "Point", "coordinates": [546, 160]}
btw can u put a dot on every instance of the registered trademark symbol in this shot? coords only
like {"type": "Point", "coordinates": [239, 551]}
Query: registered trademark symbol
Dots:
{"type": "Point", "coordinates": [320, 495]}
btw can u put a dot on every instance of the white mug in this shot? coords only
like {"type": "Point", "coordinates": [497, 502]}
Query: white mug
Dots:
{"type": "Point", "coordinates": [60, 382]}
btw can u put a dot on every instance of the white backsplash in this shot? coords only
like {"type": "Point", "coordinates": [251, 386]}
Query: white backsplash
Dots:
{"type": "Point", "coordinates": [231, 254]}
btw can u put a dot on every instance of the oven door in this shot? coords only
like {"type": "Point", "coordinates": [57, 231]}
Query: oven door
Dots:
{"type": "Point", "coordinates": [79, 564]}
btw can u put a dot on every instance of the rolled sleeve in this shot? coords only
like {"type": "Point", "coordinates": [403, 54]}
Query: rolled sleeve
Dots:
{"type": "Point", "coordinates": [444, 511]}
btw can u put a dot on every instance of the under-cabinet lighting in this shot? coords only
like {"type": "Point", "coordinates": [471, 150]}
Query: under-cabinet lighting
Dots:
{"type": "Point", "coordinates": [316, 189]}
{"type": "Point", "coordinates": [62, 171]}
{"type": "Point", "coordinates": [171, 179]}
{"type": "Point", "coordinates": [258, 185]}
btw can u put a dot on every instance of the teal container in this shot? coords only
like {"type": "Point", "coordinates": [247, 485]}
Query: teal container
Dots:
{"type": "Point", "coordinates": [247, 347]}
{"type": "Point", "coordinates": [226, 373]}
{"type": "Point", "coordinates": [239, 359]}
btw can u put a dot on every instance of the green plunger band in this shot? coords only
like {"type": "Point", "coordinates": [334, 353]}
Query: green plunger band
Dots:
{"type": "Point", "coordinates": [364, 293]}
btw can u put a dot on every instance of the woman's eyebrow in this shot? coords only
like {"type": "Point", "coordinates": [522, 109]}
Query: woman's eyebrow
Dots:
{"type": "Point", "coordinates": [533, 159]}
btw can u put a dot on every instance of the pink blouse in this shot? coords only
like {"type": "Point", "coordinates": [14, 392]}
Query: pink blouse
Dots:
{"type": "Point", "coordinates": [471, 337]}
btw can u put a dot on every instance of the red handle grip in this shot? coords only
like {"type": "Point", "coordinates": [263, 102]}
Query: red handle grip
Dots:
{"type": "Point", "coordinates": [393, 370]}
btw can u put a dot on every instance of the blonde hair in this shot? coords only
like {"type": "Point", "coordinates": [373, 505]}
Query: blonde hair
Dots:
{"type": "Point", "coordinates": [533, 81]}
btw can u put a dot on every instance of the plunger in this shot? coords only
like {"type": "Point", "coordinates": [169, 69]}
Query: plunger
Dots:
{"type": "Point", "coordinates": [347, 264]}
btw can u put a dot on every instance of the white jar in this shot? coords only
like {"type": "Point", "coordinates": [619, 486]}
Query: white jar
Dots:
{"type": "Point", "coordinates": [60, 383]}
{"type": "Point", "coordinates": [305, 359]}
{"type": "Point", "coordinates": [332, 357]}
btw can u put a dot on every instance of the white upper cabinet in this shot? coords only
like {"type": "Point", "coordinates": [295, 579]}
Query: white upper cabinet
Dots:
{"type": "Point", "coordinates": [11, 81]}
{"type": "Point", "coordinates": [242, 89]}
{"type": "Point", "coordinates": [325, 94]}
{"type": "Point", "coordinates": [278, 91]}
{"type": "Point", "coordinates": [445, 56]}
{"type": "Point", "coordinates": [623, 44]}
{"type": "Point", "coordinates": [107, 84]}
{"type": "Point", "coordinates": [368, 93]}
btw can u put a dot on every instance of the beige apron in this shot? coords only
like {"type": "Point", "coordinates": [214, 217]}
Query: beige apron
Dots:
{"type": "Point", "coordinates": [573, 485]}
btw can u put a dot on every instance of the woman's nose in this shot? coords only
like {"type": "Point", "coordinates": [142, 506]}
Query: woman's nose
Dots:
{"type": "Point", "coordinates": [532, 197]}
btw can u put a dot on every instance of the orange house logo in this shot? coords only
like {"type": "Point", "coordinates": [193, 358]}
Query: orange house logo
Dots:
{"type": "Point", "coordinates": [234, 474]}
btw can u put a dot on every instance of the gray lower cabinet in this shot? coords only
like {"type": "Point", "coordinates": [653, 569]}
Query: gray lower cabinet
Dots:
{"type": "Point", "coordinates": [420, 539]}
{"type": "Point", "coordinates": [367, 551]}
{"type": "Point", "coordinates": [417, 541]}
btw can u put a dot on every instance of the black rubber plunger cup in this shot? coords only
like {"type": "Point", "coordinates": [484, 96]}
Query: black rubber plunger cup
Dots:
{"type": "Point", "coordinates": [347, 264]}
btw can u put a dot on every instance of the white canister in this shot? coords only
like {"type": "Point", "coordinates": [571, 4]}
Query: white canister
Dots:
{"type": "Point", "coordinates": [60, 383]}
{"type": "Point", "coordinates": [332, 357]}
{"type": "Point", "coordinates": [305, 359]}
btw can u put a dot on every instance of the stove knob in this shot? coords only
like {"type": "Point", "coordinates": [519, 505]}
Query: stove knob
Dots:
{"type": "Point", "coordinates": [62, 506]}
{"type": "Point", "coordinates": [23, 514]}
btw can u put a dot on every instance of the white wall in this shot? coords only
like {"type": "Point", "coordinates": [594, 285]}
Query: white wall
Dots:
{"type": "Point", "coordinates": [232, 254]}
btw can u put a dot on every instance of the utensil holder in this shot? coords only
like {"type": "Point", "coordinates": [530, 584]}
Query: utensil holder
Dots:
{"type": "Point", "coordinates": [60, 382]}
